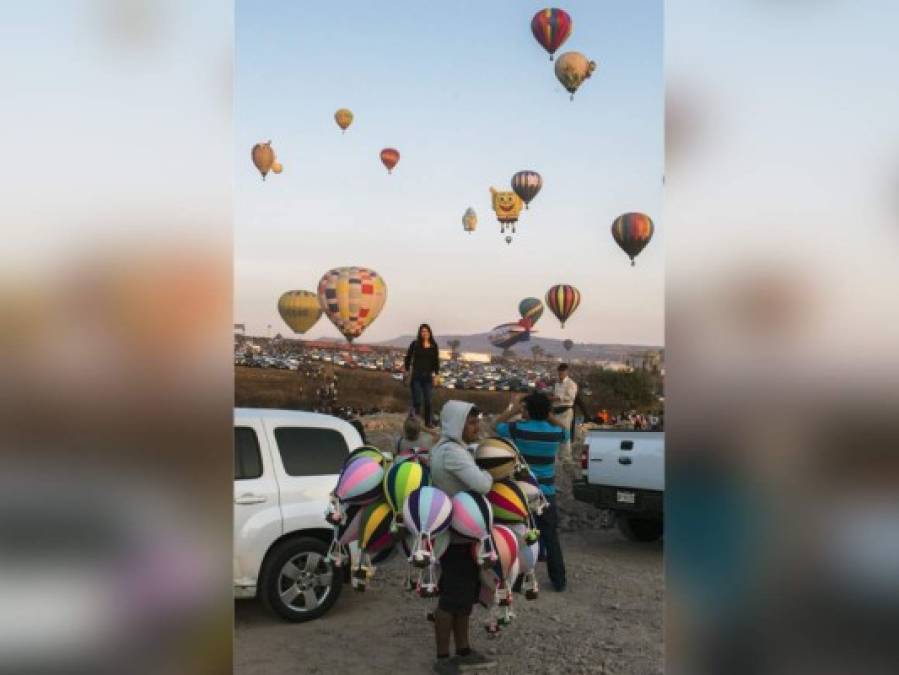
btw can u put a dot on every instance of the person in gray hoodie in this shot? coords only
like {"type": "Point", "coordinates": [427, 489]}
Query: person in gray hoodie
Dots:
{"type": "Point", "coordinates": [453, 470]}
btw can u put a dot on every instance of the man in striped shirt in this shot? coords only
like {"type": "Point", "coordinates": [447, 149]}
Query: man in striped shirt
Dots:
{"type": "Point", "coordinates": [538, 434]}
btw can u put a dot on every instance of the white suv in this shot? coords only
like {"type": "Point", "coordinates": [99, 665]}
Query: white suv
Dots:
{"type": "Point", "coordinates": [285, 465]}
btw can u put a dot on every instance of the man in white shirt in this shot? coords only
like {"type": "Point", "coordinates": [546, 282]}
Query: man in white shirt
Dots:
{"type": "Point", "coordinates": [564, 393]}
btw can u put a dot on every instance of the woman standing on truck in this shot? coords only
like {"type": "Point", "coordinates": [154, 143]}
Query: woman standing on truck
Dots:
{"type": "Point", "coordinates": [420, 370]}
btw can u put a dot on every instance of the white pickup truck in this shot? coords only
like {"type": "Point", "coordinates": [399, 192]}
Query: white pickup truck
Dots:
{"type": "Point", "coordinates": [623, 474]}
{"type": "Point", "coordinates": [285, 465]}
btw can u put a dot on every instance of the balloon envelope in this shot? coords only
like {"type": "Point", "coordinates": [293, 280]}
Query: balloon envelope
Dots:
{"type": "Point", "coordinates": [507, 334]}
{"type": "Point", "coordinates": [531, 309]}
{"type": "Point", "coordinates": [632, 232]}
{"type": "Point", "coordinates": [526, 184]}
{"type": "Point", "coordinates": [427, 510]}
{"type": "Point", "coordinates": [374, 532]}
{"type": "Point", "coordinates": [509, 503]}
{"type": "Point", "coordinates": [551, 27]}
{"type": "Point", "coordinates": [498, 456]}
{"type": "Point", "coordinates": [572, 69]}
{"type": "Point", "coordinates": [263, 157]}
{"type": "Point", "coordinates": [300, 310]}
{"type": "Point", "coordinates": [401, 480]}
{"type": "Point", "coordinates": [352, 298]}
{"type": "Point", "coordinates": [562, 300]}
{"type": "Point", "coordinates": [360, 481]}
{"type": "Point", "coordinates": [470, 220]}
{"type": "Point", "coordinates": [568, 344]}
{"type": "Point", "coordinates": [344, 118]}
{"type": "Point", "coordinates": [390, 157]}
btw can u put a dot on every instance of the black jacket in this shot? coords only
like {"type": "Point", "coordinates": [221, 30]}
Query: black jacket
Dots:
{"type": "Point", "coordinates": [423, 361]}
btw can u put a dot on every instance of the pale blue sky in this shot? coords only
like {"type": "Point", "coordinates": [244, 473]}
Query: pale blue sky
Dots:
{"type": "Point", "coordinates": [468, 97]}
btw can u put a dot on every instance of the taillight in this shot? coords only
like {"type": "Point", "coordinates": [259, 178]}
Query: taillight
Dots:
{"type": "Point", "coordinates": [585, 457]}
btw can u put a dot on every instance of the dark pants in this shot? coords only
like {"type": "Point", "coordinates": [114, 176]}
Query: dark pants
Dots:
{"type": "Point", "coordinates": [459, 582]}
{"type": "Point", "coordinates": [422, 386]}
{"type": "Point", "coordinates": [548, 524]}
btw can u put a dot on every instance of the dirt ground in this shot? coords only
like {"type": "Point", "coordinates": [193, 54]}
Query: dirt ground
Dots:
{"type": "Point", "coordinates": [609, 620]}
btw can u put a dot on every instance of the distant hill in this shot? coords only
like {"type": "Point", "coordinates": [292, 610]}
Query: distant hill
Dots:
{"type": "Point", "coordinates": [551, 346]}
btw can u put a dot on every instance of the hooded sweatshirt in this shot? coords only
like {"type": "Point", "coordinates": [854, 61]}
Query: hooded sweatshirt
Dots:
{"type": "Point", "coordinates": [453, 468]}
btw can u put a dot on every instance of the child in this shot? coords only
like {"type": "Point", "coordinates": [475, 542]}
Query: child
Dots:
{"type": "Point", "coordinates": [413, 437]}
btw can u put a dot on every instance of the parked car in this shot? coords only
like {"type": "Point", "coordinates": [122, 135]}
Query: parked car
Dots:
{"type": "Point", "coordinates": [623, 474]}
{"type": "Point", "coordinates": [285, 465]}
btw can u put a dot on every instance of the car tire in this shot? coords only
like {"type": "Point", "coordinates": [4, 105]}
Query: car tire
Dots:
{"type": "Point", "coordinates": [639, 529]}
{"type": "Point", "coordinates": [292, 580]}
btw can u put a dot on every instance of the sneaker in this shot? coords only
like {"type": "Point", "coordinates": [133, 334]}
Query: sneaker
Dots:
{"type": "Point", "coordinates": [445, 667]}
{"type": "Point", "coordinates": [472, 661]}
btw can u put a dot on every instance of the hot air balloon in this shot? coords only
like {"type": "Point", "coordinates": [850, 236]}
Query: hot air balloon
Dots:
{"type": "Point", "coordinates": [426, 513]}
{"type": "Point", "coordinates": [504, 572]}
{"type": "Point", "coordinates": [572, 69]}
{"type": "Point", "coordinates": [401, 480]}
{"type": "Point", "coordinates": [551, 27]}
{"type": "Point", "coordinates": [508, 239]}
{"type": "Point", "coordinates": [562, 300]}
{"type": "Point", "coordinates": [470, 220]}
{"type": "Point", "coordinates": [375, 540]}
{"type": "Point", "coordinates": [359, 483]}
{"type": "Point", "coordinates": [366, 451]}
{"type": "Point", "coordinates": [277, 168]}
{"type": "Point", "coordinates": [352, 298]}
{"type": "Point", "coordinates": [531, 309]}
{"type": "Point", "coordinates": [568, 344]}
{"type": "Point", "coordinates": [344, 118]}
{"type": "Point", "coordinates": [263, 157]}
{"type": "Point", "coordinates": [508, 502]}
{"type": "Point", "coordinates": [528, 554]}
{"type": "Point", "coordinates": [498, 456]}
{"type": "Point", "coordinates": [632, 232]}
{"type": "Point", "coordinates": [526, 184]}
{"type": "Point", "coordinates": [473, 518]}
{"type": "Point", "coordinates": [299, 309]}
{"type": "Point", "coordinates": [507, 206]}
{"type": "Point", "coordinates": [390, 157]}
{"type": "Point", "coordinates": [507, 334]}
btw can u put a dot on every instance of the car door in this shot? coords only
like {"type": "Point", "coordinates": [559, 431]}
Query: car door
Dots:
{"type": "Point", "coordinates": [257, 512]}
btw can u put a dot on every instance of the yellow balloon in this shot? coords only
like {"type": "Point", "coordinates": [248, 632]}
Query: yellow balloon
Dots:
{"type": "Point", "coordinates": [572, 68]}
{"type": "Point", "coordinates": [507, 206]}
{"type": "Point", "coordinates": [300, 310]}
{"type": "Point", "coordinates": [263, 157]}
{"type": "Point", "coordinates": [344, 118]}
{"type": "Point", "coordinates": [277, 168]}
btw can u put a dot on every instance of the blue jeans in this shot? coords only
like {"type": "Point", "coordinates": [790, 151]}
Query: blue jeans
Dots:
{"type": "Point", "coordinates": [422, 385]}
{"type": "Point", "coordinates": [548, 524]}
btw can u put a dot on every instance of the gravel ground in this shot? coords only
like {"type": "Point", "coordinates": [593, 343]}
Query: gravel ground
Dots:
{"type": "Point", "coordinates": [608, 621]}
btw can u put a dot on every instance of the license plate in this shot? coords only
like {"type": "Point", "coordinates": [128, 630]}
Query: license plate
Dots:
{"type": "Point", "coordinates": [625, 497]}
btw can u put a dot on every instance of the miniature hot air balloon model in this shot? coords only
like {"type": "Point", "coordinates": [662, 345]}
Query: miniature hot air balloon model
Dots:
{"type": "Point", "coordinates": [299, 309]}
{"type": "Point", "coordinates": [426, 513]}
{"type": "Point", "coordinates": [263, 157]}
{"type": "Point", "coordinates": [562, 300]}
{"type": "Point", "coordinates": [469, 220]}
{"type": "Point", "coordinates": [526, 184]}
{"type": "Point", "coordinates": [632, 232]}
{"type": "Point", "coordinates": [344, 118]}
{"type": "Point", "coordinates": [572, 69]}
{"type": "Point", "coordinates": [551, 27]}
{"type": "Point", "coordinates": [390, 157]}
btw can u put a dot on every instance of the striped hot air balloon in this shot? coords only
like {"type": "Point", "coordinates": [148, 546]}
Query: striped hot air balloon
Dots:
{"type": "Point", "coordinates": [498, 456]}
{"type": "Point", "coordinates": [562, 300]}
{"type": "Point", "coordinates": [360, 481]}
{"type": "Point", "coordinates": [389, 158]}
{"type": "Point", "coordinates": [401, 480]}
{"type": "Point", "coordinates": [426, 512]}
{"type": "Point", "coordinates": [531, 309]}
{"type": "Point", "coordinates": [352, 298]}
{"type": "Point", "coordinates": [508, 502]}
{"type": "Point", "coordinates": [374, 530]}
{"type": "Point", "coordinates": [506, 552]}
{"type": "Point", "coordinates": [551, 27]}
{"type": "Point", "coordinates": [367, 451]}
{"type": "Point", "coordinates": [299, 309]}
{"type": "Point", "coordinates": [473, 518]}
{"type": "Point", "coordinates": [526, 184]}
{"type": "Point", "coordinates": [632, 232]}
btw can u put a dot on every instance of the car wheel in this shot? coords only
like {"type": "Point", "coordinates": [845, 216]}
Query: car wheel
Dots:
{"type": "Point", "coordinates": [297, 584]}
{"type": "Point", "coordinates": [639, 529]}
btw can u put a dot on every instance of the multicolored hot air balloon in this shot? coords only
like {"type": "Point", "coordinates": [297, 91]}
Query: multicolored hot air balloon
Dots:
{"type": "Point", "coordinates": [632, 232]}
{"type": "Point", "coordinates": [497, 456]}
{"type": "Point", "coordinates": [572, 69]}
{"type": "Point", "coordinates": [426, 513]}
{"type": "Point", "coordinates": [344, 118]}
{"type": "Point", "coordinates": [508, 502]}
{"type": "Point", "coordinates": [401, 480]}
{"type": "Point", "coordinates": [299, 309]}
{"type": "Point", "coordinates": [263, 157]}
{"type": "Point", "coordinates": [506, 552]}
{"type": "Point", "coordinates": [531, 309]}
{"type": "Point", "coordinates": [390, 157]}
{"type": "Point", "coordinates": [352, 298]}
{"type": "Point", "coordinates": [568, 344]}
{"type": "Point", "coordinates": [526, 184]}
{"type": "Point", "coordinates": [375, 540]}
{"type": "Point", "coordinates": [473, 518]}
{"type": "Point", "coordinates": [366, 451]}
{"type": "Point", "coordinates": [551, 27]}
{"type": "Point", "coordinates": [469, 220]}
{"type": "Point", "coordinates": [359, 483]}
{"type": "Point", "coordinates": [507, 206]}
{"type": "Point", "coordinates": [506, 335]}
{"type": "Point", "coordinates": [562, 300]}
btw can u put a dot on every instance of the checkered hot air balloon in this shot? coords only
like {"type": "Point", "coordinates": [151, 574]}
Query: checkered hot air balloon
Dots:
{"type": "Point", "coordinates": [562, 300]}
{"type": "Point", "coordinates": [632, 232]}
{"type": "Point", "coordinates": [352, 298]}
